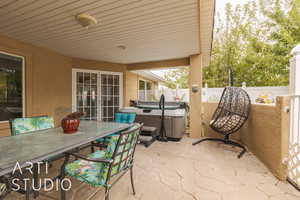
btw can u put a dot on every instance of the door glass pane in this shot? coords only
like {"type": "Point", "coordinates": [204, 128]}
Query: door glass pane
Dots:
{"type": "Point", "coordinates": [116, 80]}
{"type": "Point", "coordinates": [110, 90]}
{"type": "Point", "coordinates": [104, 90]}
{"type": "Point", "coordinates": [110, 80]}
{"type": "Point", "coordinates": [94, 79]}
{"type": "Point", "coordinates": [79, 101]}
{"type": "Point", "coordinates": [87, 94]}
{"type": "Point", "coordinates": [103, 79]}
{"type": "Point", "coordinates": [104, 101]}
{"type": "Point", "coordinates": [80, 77]}
{"type": "Point", "coordinates": [88, 101]}
{"type": "Point", "coordinates": [116, 90]}
{"type": "Point", "coordinates": [87, 89]}
{"type": "Point", "coordinates": [87, 78]}
{"type": "Point", "coordinates": [110, 112]}
{"type": "Point", "coordinates": [87, 112]}
{"type": "Point", "coordinates": [94, 91]}
{"type": "Point", "coordinates": [116, 101]}
{"type": "Point", "coordinates": [94, 113]}
{"type": "Point", "coordinates": [110, 96]}
{"type": "Point", "coordinates": [109, 101]}
{"type": "Point", "coordinates": [79, 89]}
{"type": "Point", "coordinates": [104, 112]}
{"type": "Point", "coordinates": [94, 101]}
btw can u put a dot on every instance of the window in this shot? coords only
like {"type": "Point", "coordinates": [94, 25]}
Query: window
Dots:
{"type": "Point", "coordinates": [145, 90]}
{"type": "Point", "coordinates": [11, 86]}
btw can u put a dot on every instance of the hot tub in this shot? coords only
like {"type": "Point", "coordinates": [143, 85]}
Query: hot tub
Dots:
{"type": "Point", "coordinates": [175, 120]}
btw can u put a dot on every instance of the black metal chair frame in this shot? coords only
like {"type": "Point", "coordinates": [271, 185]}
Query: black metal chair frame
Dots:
{"type": "Point", "coordinates": [100, 145]}
{"type": "Point", "coordinates": [128, 159]}
{"type": "Point", "coordinates": [231, 114]}
{"type": "Point", "coordinates": [5, 180]}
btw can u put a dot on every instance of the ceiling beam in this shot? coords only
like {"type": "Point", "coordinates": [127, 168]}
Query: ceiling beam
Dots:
{"type": "Point", "coordinates": [180, 62]}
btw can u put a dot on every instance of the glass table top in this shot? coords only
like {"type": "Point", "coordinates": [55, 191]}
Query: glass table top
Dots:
{"type": "Point", "coordinates": [40, 145]}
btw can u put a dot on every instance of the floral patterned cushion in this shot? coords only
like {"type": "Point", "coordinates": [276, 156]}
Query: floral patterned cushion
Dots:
{"type": "Point", "coordinates": [89, 172]}
{"type": "Point", "coordinates": [25, 125]}
{"type": "Point", "coordinates": [126, 118]}
{"type": "Point", "coordinates": [3, 189]}
{"type": "Point", "coordinates": [96, 174]}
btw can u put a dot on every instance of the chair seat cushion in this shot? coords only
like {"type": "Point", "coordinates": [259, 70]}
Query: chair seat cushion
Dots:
{"type": "Point", "coordinates": [89, 172]}
{"type": "Point", "coordinates": [225, 123]}
{"type": "Point", "coordinates": [94, 173]}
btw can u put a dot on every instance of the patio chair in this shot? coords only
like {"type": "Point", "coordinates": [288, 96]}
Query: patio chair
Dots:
{"type": "Point", "coordinates": [27, 125]}
{"type": "Point", "coordinates": [231, 114]}
{"type": "Point", "coordinates": [120, 117]}
{"type": "Point", "coordinates": [104, 168]}
{"type": "Point", "coordinates": [30, 124]}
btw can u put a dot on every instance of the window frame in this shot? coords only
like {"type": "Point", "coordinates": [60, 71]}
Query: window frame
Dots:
{"type": "Point", "coordinates": [23, 82]}
{"type": "Point", "coordinates": [145, 88]}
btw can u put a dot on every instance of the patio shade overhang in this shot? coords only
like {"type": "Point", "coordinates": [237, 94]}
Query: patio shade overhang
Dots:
{"type": "Point", "coordinates": [151, 30]}
{"type": "Point", "coordinates": [130, 35]}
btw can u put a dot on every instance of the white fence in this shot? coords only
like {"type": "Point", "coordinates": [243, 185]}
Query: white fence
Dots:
{"type": "Point", "coordinates": [294, 138]}
{"type": "Point", "coordinates": [214, 94]}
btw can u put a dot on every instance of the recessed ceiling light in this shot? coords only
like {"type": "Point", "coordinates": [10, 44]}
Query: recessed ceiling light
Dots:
{"type": "Point", "coordinates": [85, 20]}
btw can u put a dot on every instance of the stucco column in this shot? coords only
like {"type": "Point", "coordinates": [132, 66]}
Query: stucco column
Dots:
{"type": "Point", "coordinates": [195, 81]}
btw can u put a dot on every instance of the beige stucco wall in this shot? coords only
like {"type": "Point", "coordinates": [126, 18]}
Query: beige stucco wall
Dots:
{"type": "Point", "coordinates": [265, 134]}
{"type": "Point", "coordinates": [49, 79]}
{"type": "Point", "coordinates": [195, 79]}
{"type": "Point", "coordinates": [131, 87]}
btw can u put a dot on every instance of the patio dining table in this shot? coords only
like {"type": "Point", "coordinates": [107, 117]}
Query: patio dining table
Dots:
{"type": "Point", "coordinates": [40, 145]}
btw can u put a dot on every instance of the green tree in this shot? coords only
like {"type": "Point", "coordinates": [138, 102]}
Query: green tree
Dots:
{"type": "Point", "coordinates": [177, 77]}
{"type": "Point", "coordinates": [254, 43]}
{"type": "Point", "coordinates": [231, 45]}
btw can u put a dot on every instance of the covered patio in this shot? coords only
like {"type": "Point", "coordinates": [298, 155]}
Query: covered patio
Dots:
{"type": "Point", "coordinates": [68, 68]}
{"type": "Point", "coordinates": [177, 171]}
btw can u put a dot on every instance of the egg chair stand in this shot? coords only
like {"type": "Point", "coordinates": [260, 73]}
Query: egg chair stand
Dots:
{"type": "Point", "coordinates": [231, 114]}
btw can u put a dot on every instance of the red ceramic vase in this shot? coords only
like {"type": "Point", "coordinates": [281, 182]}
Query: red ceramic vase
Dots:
{"type": "Point", "coordinates": [70, 125]}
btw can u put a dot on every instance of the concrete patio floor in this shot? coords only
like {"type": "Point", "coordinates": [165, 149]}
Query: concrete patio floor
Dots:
{"type": "Point", "coordinates": [180, 171]}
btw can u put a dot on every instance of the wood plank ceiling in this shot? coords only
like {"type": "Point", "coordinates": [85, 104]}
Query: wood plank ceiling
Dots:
{"type": "Point", "coordinates": [150, 29]}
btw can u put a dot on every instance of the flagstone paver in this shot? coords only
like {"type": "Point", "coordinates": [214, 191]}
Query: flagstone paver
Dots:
{"type": "Point", "coordinates": [180, 171]}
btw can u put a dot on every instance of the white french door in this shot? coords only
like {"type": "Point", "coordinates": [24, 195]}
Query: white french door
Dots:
{"type": "Point", "coordinates": [98, 94]}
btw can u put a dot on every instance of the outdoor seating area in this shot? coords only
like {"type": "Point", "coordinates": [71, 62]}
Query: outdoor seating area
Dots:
{"type": "Point", "coordinates": [89, 110]}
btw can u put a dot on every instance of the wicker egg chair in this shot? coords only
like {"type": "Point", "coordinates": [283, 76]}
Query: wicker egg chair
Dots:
{"type": "Point", "coordinates": [231, 114]}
